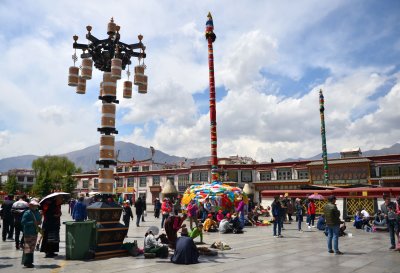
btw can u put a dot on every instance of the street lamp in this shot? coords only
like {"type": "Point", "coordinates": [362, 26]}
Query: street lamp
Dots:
{"type": "Point", "coordinates": [111, 56]}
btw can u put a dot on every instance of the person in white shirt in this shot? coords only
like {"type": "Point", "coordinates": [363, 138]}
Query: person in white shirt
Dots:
{"type": "Point", "coordinates": [365, 225]}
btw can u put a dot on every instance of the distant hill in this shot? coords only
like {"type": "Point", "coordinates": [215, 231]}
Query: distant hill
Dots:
{"type": "Point", "coordinates": [86, 158]}
{"type": "Point", "coordinates": [394, 149]}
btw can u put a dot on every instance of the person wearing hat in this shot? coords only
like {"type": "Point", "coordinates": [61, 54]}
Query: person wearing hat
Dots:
{"type": "Point", "coordinates": [192, 211]}
{"type": "Point", "coordinates": [166, 209]}
{"type": "Point", "coordinates": [127, 214]}
{"type": "Point", "coordinates": [157, 208]}
{"type": "Point", "coordinates": [31, 220]}
{"type": "Point", "coordinates": [224, 225]}
{"type": "Point", "coordinates": [240, 209]}
{"type": "Point", "coordinates": [220, 216]}
{"type": "Point", "coordinates": [236, 224]}
{"type": "Point", "coordinates": [209, 224]}
{"type": "Point", "coordinates": [332, 218]}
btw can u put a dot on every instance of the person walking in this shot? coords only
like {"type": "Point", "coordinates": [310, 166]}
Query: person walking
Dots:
{"type": "Point", "coordinates": [240, 209]}
{"type": "Point", "coordinates": [277, 212]}
{"type": "Point", "coordinates": [157, 208]}
{"type": "Point", "coordinates": [51, 226]}
{"type": "Point", "coordinates": [139, 210]}
{"type": "Point", "coordinates": [127, 214]}
{"type": "Point", "coordinates": [166, 209]}
{"type": "Point", "coordinates": [144, 208]}
{"type": "Point", "coordinates": [299, 213]}
{"type": "Point", "coordinates": [18, 209]}
{"type": "Point", "coordinates": [192, 211]}
{"type": "Point", "coordinates": [332, 217]}
{"type": "Point", "coordinates": [290, 210]}
{"type": "Point", "coordinates": [30, 221]}
{"type": "Point", "coordinates": [311, 209]}
{"type": "Point", "coordinates": [79, 212]}
{"type": "Point", "coordinates": [8, 218]}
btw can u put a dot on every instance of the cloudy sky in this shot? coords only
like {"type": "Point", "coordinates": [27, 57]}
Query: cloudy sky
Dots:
{"type": "Point", "coordinates": [271, 59]}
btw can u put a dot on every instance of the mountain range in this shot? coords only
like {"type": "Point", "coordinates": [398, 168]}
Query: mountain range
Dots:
{"type": "Point", "coordinates": [86, 158]}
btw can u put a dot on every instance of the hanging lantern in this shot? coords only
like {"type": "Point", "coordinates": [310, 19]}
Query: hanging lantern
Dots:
{"type": "Point", "coordinates": [142, 89]}
{"type": "Point", "coordinates": [140, 79]}
{"type": "Point", "coordinates": [127, 89]}
{"type": "Point", "coordinates": [139, 69]}
{"type": "Point", "coordinates": [116, 68]}
{"type": "Point", "coordinates": [109, 85]}
{"type": "Point", "coordinates": [86, 71]}
{"type": "Point", "coordinates": [81, 88]}
{"type": "Point", "coordinates": [73, 76]}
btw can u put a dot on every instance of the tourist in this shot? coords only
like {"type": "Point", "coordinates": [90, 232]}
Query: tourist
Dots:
{"type": "Point", "coordinates": [138, 210]}
{"type": "Point", "coordinates": [144, 205]}
{"type": "Point", "coordinates": [224, 225]}
{"type": "Point", "coordinates": [157, 208]}
{"type": "Point", "coordinates": [18, 209]}
{"type": "Point", "coordinates": [276, 216]}
{"type": "Point", "coordinates": [172, 226]}
{"type": "Point", "coordinates": [152, 246]}
{"type": "Point", "coordinates": [8, 218]}
{"type": "Point", "coordinates": [236, 224]}
{"type": "Point", "coordinates": [210, 225]}
{"type": "Point", "coordinates": [283, 202]}
{"type": "Point", "coordinates": [311, 209]}
{"type": "Point", "coordinates": [186, 251]}
{"type": "Point", "coordinates": [51, 210]}
{"type": "Point", "coordinates": [358, 220]}
{"type": "Point", "coordinates": [388, 210]}
{"type": "Point", "coordinates": [196, 232]}
{"type": "Point", "coordinates": [71, 205]}
{"type": "Point", "coordinates": [365, 220]}
{"type": "Point", "coordinates": [241, 210]}
{"type": "Point", "coordinates": [166, 209]}
{"type": "Point", "coordinates": [332, 216]}
{"type": "Point", "coordinates": [30, 221]}
{"type": "Point", "coordinates": [192, 211]}
{"type": "Point", "coordinates": [290, 210]}
{"type": "Point", "coordinates": [299, 213]}
{"type": "Point", "coordinates": [127, 214]}
{"type": "Point", "coordinates": [79, 212]}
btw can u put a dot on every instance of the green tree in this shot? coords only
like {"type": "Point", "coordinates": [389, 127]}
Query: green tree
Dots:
{"type": "Point", "coordinates": [11, 186]}
{"type": "Point", "coordinates": [54, 173]}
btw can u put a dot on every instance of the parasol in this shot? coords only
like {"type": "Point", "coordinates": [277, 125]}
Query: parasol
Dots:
{"type": "Point", "coordinates": [316, 197]}
{"type": "Point", "coordinates": [153, 229]}
{"type": "Point", "coordinates": [53, 195]}
{"type": "Point", "coordinates": [20, 204]}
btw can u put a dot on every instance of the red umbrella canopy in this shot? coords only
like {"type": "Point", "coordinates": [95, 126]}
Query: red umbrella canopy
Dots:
{"type": "Point", "coordinates": [316, 196]}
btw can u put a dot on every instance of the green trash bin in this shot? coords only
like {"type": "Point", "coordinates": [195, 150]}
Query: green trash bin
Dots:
{"type": "Point", "coordinates": [79, 237]}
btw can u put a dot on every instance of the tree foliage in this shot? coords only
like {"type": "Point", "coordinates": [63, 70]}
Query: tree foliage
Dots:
{"type": "Point", "coordinates": [54, 173]}
{"type": "Point", "coordinates": [11, 186]}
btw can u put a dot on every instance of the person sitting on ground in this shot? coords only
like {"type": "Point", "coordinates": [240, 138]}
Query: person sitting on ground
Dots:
{"type": "Point", "coordinates": [186, 251]}
{"type": "Point", "coordinates": [358, 221]}
{"type": "Point", "coordinates": [379, 219]}
{"type": "Point", "coordinates": [196, 232]}
{"type": "Point", "coordinates": [365, 219]}
{"type": "Point", "coordinates": [236, 224]}
{"type": "Point", "coordinates": [321, 224]}
{"type": "Point", "coordinates": [152, 246]}
{"type": "Point", "coordinates": [210, 225]}
{"type": "Point", "coordinates": [224, 225]}
{"type": "Point", "coordinates": [220, 216]}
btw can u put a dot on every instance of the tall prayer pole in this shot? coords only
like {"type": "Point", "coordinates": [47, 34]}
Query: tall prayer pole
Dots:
{"type": "Point", "coordinates": [210, 36]}
{"type": "Point", "coordinates": [323, 136]}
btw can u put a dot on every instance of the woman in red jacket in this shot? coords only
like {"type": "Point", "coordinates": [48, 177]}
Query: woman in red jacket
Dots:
{"type": "Point", "coordinates": [311, 212]}
{"type": "Point", "coordinates": [166, 208]}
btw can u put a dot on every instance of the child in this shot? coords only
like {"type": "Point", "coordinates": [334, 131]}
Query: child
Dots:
{"type": "Point", "coordinates": [197, 231]}
{"type": "Point", "coordinates": [210, 224]}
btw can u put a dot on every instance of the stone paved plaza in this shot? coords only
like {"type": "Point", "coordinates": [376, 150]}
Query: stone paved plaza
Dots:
{"type": "Point", "coordinates": [254, 251]}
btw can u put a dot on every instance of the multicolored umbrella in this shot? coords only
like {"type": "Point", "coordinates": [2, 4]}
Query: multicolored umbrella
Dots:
{"type": "Point", "coordinates": [223, 196]}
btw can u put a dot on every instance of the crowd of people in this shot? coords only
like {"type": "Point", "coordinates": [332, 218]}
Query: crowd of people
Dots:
{"type": "Point", "coordinates": [36, 226]}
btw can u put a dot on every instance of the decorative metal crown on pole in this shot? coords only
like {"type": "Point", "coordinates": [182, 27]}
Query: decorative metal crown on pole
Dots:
{"type": "Point", "coordinates": [323, 136]}
{"type": "Point", "coordinates": [210, 36]}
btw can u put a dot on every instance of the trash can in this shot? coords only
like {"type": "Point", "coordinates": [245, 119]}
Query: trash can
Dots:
{"type": "Point", "coordinates": [79, 238]}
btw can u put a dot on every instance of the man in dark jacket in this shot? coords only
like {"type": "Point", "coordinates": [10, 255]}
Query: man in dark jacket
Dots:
{"type": "Point", "coordinates": [144, 207]}
{"type": "Point", "coordinates": [127, 214]}
{"type": "Point", "coordinates": [277, 214]}
{"type": "Point", "coordinates": [388, 210]}
{"type": "Point", "coordinates": [186, 251]}
{"type": "Point", "coordinates": [8, 218]}
{"type": "Point", "coordinates": [332, 218]}
{"type": "Point", "coordinates": [139, 210]}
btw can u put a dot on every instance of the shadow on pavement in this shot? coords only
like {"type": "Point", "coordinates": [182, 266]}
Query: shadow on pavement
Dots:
{"type": "Point", "coordinates": [50, 266]}
{"type": "Point", "coordinates": [5, 265]}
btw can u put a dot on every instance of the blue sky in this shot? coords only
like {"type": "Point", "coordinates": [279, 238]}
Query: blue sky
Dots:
{"type": "Point", "coordinates": [271, 59]}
